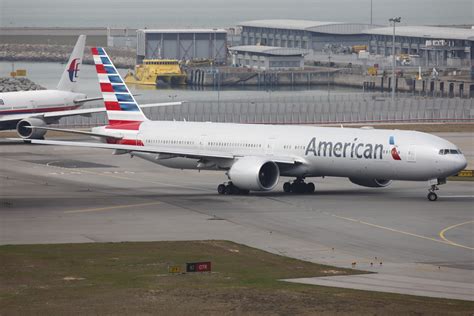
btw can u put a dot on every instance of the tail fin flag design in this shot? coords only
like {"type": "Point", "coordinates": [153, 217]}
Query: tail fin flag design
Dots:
{"type": "Point", "coordinates": [394, 150]}
{"type": "Point", "coordinates": [122, 109]}
{"type": "Point", "coordinates": [70, 75]}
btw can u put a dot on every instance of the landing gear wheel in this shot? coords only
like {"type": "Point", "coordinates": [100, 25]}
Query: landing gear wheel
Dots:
{"type": "Point", "coordinates": [229, 189]}
{"type": "Point", "coordinates": [221, 189]}
{"type": "Point", "coordinates": [432, 196]}
{"type": "Point", "coordinates": [298, 186]}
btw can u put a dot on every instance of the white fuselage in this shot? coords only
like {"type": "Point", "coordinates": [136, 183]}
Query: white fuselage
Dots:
{"type": "Point", "coordinates": [17, 104]}
{"type": "Point", "coordinates": [322, 151]}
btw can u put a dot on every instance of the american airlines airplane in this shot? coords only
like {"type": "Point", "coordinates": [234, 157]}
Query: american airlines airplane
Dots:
{"type": "Point", "coordinates": [254, 157]}
{"type": "Point", "coordinates": [23, 110]}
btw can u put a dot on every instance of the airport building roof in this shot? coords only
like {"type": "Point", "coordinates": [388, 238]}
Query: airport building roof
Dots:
{"type": "Point", "coordinates": [269, 50]}
{"type": "Point", "coordinates": [311, 26]}
{"type": "Point", "coordinates": [215, 30]}
{"type": "Point", "coordinates": [429, 32]}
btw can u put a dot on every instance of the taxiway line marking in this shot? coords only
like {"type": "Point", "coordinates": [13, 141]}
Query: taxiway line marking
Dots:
{"type": "Point", "coordinates": [144, 181]}
{"type": "Point", "coordinates": [403, 232]}
{"type": "Point", "coordinates": [441, 234]}
{"type": "Point", "coordinates": [98, 209]}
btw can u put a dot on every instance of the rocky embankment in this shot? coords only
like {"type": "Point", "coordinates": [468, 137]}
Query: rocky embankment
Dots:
{"type": "Point", "coordinates": [18, 84]}
{"type": "Point", "coordinates": [122, 57]}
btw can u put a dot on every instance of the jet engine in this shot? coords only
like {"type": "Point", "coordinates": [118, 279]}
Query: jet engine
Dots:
{"type": "Point", "coordinates": [371, 183]}
{"type": "Point", "coordinates": [24, 131]}
{"type": "Point", "coordinates": [254, 173]}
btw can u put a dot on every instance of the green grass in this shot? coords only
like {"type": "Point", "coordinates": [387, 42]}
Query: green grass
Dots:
{"type": "Point", "coordinates": [132, 278]}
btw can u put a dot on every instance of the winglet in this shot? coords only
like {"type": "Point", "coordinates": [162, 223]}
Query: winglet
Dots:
{"type": "Point", "coordinates": [70, 75]}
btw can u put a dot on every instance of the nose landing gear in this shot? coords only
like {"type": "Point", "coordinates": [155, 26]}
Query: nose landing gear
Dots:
{"type": "Point", "coordinates": [432, 196]}
{"type": "Point", "coordinates": [298, 186]}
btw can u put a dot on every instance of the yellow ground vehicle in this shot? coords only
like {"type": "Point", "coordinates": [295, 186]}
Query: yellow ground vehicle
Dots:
{"type": "Point", "coordinates": [357, 48]}
{"type": "Point", "coordinates": [157, 72]}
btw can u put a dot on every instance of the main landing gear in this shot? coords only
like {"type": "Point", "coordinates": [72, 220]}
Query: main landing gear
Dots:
{"type": "Point", "coordinates": [230, 189]}
{"type": "Point", "coordinates": [298, 186]}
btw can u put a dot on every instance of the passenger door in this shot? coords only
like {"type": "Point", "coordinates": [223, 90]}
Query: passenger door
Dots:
{"type": "Point", "coordinates": [269, 150]}
{"type": "Point", "coordinates": [411, 156]}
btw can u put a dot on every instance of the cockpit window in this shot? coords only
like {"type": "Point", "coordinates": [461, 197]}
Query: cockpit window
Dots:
{"type": "Point", "coordinates": [450, 152]}
{"type": "Point", "coordinates": [1, 102]}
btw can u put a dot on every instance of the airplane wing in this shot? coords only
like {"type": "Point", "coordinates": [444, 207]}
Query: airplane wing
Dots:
{"type": "Point", "coordinates": [59, 114]}
{"type": "Point", "coordinates": [179, 152]}
{"type": "Point", "coordinates": [152, 105]}
{"type": "Point", "coordinates": [75, 131]}
{"type": "Point", "coordinates": [65, 113]}
{"type": "Point", "coordinates": [80, 101]}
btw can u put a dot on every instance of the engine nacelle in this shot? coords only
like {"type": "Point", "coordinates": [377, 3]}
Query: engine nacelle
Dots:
{"type": "Point", "coordinates": [23, 130]}
{"type": "Point", "coordinates": [254, 173]}
{"type": "Point", "coordinates": [371, 183]}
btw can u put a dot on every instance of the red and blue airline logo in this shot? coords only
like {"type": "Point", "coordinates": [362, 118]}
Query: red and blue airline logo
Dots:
{"type": "Point", "coordinates": [394, 150]}
{"type": "Point", "coordinates": [73, 69]}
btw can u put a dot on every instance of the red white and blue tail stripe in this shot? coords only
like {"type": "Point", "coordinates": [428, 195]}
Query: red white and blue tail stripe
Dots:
{"type": "Point", "coordinates": [122, 110]}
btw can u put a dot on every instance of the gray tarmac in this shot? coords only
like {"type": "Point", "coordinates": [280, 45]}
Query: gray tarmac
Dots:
{"type": "Point", "coordinates": [60, 195]}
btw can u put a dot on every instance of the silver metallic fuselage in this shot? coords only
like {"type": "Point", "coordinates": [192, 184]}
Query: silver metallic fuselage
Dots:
{"type": "Point", "coordinates": [320, 151]}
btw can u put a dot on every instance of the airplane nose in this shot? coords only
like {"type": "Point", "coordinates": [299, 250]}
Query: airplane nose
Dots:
{"type": "Point", "coordinates": [462, 163]}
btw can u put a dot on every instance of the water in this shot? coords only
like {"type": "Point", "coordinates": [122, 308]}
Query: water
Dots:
{"type": "Point", "coordinates": [218, 13]}
{"type": "Point", "coordinates": [48, 74]}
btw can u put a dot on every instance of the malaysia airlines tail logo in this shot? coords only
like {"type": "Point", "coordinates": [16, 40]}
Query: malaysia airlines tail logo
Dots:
{"type": "Point", "coordinates": [394, 150]}
{"type": "Point", "coordinates": [73, 69]}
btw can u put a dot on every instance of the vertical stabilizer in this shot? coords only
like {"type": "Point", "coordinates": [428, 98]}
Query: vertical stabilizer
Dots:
{"type": "Point", "coordinates": [120, 105]}
{"type": "Point", "coordinates": [70, 75]}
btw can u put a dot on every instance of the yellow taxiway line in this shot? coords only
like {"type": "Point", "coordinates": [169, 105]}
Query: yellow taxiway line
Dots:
{"type": "Point", "coordinates": [441, 234]}
{"type": "Point", "coordinates": [443, 241]}
{"type": "Point", "coordinates": [107, 208]}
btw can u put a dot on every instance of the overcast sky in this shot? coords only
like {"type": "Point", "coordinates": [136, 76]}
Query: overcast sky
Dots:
{"type": "Point", "coordinates": [172, 13]}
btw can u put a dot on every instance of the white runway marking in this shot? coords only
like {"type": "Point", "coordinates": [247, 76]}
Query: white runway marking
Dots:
{"type": "Point", "coordinates": [457, 196]}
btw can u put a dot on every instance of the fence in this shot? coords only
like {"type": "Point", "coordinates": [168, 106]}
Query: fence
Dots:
{"type": "Point", "coordinates": [348, 108]}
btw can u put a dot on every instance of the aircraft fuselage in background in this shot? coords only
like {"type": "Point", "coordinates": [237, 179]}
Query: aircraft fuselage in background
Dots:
{"type": "Point", "coordinates": [15, 106]}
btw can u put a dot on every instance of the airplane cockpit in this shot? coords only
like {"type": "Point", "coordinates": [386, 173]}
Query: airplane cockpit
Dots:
{"type": "Point", "coordinates": [450, 152]}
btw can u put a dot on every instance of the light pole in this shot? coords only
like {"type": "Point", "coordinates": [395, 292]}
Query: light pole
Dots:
{"type": "Point", "coordinates": [371, 12]}
{"type": "Point", "coordinates": [329, 84]}
{"type": "Point", "coordinates": [394, 21]}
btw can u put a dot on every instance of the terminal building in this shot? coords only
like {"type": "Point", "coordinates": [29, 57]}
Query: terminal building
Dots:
{"type": "Point", "coordinates": [182, 44]}
{"type": "Point", "coordinates": [435, 46]}
{"type": "Point", "coordinates": [267, 57]}
{"type": "Point", "coordinates": [311, 35]}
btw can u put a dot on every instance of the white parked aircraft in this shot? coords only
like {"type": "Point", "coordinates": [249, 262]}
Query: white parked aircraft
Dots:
{"type": "Point", "coordinates": [254, 157]}
{"type": "Point", "coordinates": [22, 110]}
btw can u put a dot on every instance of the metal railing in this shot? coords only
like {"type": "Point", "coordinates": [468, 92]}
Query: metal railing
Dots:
{"type": "Point", "coordinates": [343, 108]}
